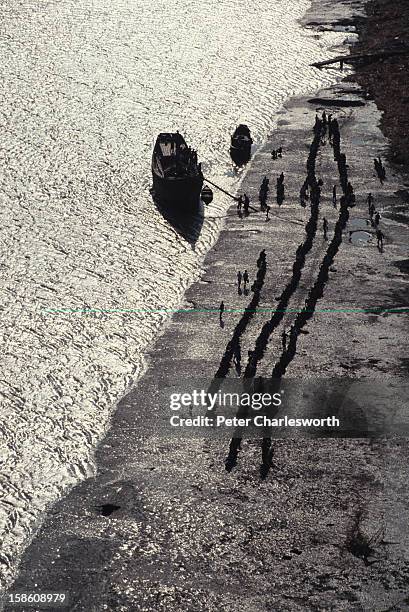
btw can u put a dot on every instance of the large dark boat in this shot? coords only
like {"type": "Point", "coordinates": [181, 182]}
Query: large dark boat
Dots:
{"type": "Point", "coordinates": [240, 148]}
{"type": "Point", "coordinates": [177, 175]}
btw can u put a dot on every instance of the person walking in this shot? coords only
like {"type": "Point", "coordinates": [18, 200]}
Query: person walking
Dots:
{"type": "Point", "coordinates": [239, 278]}
{"type": "Point", "coordinates": [377, 219]}
{"type": "Point", "coordinates": [245, 278]}
{"type": "Point", "coordinates": [268, 212]}
{"type": "Point", "coordinates": [325, 228]}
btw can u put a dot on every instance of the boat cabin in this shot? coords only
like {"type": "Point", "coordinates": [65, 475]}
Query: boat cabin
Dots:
{"type": "Point", "coordinates": [173, 158]}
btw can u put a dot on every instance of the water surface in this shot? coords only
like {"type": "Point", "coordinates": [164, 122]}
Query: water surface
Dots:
{"type": "Point", "coordinates": [86, 85]}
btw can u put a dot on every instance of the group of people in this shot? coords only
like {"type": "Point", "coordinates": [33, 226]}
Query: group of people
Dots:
{"type": "Point", "coordinates": [243, 204]}
{"type": "Point", "coordinates": [183, 158]}
{"type": "Point", "coordinates": [276, 153]}
{"type": "Point", "coordinates": [187, 157]}
{"type": "Point", "coordinates": [287, 336]}
{"type": "Point", "coordinates": [327, 124]}
{"type": "Point", "coordinates": [262, 196]}
{"type": "Point", "coordinates": [375, 219]}
{"type": "Point", "coordinates": [242, 278]}
{"type": "Point", "coordinates": [380, 169]}
{"type": "Point", "coordinates": [311, 189]}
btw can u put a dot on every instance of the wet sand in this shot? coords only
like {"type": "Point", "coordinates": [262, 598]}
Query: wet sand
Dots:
{"type": "Point", "coordinates": [387, 81]}
{"type": "Point", "coordinates": [326, 527]}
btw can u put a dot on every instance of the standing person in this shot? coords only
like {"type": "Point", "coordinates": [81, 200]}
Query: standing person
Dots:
{"type": "Point", "coordinates": [284, 340]}
{"type": "Point", "coordinates": [239, 277]}
{"type": "Point", "coordinates": [325, 228]}
{"type": "Point", "coordinates": [334, 196]}
{"type": "Point", "coordinates": [377, 219]}
{"type": "Point", "coordinates": [379, 237]}
{"type": "Point", "coordinates": [246, 204]}
{"type": "Point", "coordinates": [245, 278]}
{"type": "Point", "coordinates": [268, 212]}
{"type": "Point", "coordinates": [221, 311]}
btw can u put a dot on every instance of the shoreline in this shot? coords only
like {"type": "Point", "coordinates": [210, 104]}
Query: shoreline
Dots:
{"type": "Point", "coordinates": [105, 354]}
{"type": "Point", "coordinates": [181, 336]}
{"type": "Point", "coordinates": [386, 81]}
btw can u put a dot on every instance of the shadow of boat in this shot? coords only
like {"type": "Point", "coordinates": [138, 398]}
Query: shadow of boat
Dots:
{"type": "Point", "coordinates": [187, 223]}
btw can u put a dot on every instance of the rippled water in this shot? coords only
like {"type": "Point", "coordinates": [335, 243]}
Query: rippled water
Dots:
{"type": "Point", "coordinates": [86, 87]}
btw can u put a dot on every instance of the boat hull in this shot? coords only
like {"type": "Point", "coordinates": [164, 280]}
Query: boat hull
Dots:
{"type": "Point", "coordinates": [240, 148]}
{"type": "Point", "coordinates": [178, 194]}
{"type": "Point", "coordinates": [240, 155]}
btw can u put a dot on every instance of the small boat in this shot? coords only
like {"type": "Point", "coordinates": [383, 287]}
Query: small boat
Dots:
{"type": "Point", "coordinates": [240, 148]}
{"type": "Point", "coordinates": [207, 195]}
{"type": "Point", "coordinates": [177, 175]}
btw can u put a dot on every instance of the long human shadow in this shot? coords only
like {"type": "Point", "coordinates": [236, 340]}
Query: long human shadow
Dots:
{"type": "Point", "coordinates": [303, 249]}
{"type": "Point", "coordinates": [301, 254]}
{"type": "Point", "coordinates": [317, 290]}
